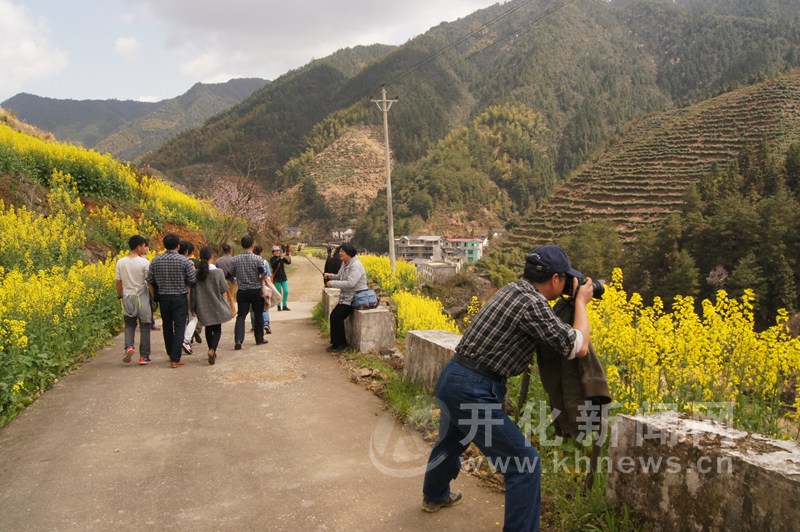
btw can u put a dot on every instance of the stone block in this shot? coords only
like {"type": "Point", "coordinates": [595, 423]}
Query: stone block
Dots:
{"type": "Point", "coordinates": [330, 298]}
{"type": "Point", "coordinates": [371, 330]}
{"type": "Point", "coordinates": [426, 354]}
{"type": "Point", "coordinates": [681, 473]}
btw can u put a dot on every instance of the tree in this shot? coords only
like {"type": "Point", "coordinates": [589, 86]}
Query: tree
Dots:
{"type": "Point", "coordinates": [792, 169]}
{"type": "Point", "coordinates": [594, 249]}
{"type": "Point", "coordinates": [242, 202]}
{"type": "Point", "coordinates": [680, 278]}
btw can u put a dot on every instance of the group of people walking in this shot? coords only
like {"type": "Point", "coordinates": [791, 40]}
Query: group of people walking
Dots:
{"type": "Point", "coordinates": [499, 343]}
{"type": "Point", "coordinates": [195, 293]}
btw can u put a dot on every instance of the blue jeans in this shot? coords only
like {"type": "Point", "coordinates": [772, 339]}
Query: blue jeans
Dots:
{"type": "Point", "coordinates": [471, 410]}
{"type": "Point", "coordinates": [253, 318]}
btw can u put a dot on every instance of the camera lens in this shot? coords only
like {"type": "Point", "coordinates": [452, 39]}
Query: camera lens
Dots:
{"type": "Point", "coordinates": [598, 289]}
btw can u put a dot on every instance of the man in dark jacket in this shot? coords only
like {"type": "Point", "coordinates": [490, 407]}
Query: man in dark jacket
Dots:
{"type": "Point", "coordinates": [500, 343]}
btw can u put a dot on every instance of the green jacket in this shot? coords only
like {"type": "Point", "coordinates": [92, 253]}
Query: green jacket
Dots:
{"type": "Point", "coordinates": [570, 383]}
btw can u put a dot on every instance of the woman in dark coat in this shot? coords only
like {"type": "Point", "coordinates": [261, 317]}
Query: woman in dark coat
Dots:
{"type": "Point", "coordinates": [208, 301]}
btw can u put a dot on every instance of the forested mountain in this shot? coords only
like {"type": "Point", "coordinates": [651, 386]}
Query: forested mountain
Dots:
{"type": "Point", "coordinates": [171, 117]}
{"type": "Point", "coordinates": [586, 67]}
{"type": "Point", "coordinates": [128, 129]}
{"type": "Point", "coordinates": [708, 191]}
{"type": "Point", "coordinates": [83, 122]}
{"type": "Point", "coordinates": [267, 128]}
{"type": "Point", "coordinates": [642, 176]}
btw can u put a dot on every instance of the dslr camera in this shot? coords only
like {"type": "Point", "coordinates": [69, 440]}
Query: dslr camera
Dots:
{"type": "Point", "coordinates": [598, 287]}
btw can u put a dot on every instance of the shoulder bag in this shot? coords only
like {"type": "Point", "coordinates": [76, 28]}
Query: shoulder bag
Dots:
{"type": "Point", "coordinates": [365, 299]}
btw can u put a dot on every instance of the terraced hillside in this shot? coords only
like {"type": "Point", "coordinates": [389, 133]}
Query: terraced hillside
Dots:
{"type": "Point", "coordinates": [640, 177]}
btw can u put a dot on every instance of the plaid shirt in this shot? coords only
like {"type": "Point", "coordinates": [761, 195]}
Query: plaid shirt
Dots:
{"type": "Point", "coordinates": [506, 332]}
{"type": "Point", "coordinates": [248, 268]}
{"type": "Point", "coordinates": [171, 273]}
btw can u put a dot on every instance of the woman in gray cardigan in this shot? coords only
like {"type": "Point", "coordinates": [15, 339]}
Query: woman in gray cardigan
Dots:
{"type": "Point", "coordinates": [352, 278]}
{"type": "Point", "coordinates": [208, 301]}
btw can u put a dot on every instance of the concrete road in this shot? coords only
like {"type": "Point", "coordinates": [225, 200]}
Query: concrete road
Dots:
{"type": "Point", "coordinates": [273, 437]}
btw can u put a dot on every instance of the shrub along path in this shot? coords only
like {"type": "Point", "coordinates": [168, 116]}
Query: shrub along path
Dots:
{"type": "Point", "coordinates": [273, 437]}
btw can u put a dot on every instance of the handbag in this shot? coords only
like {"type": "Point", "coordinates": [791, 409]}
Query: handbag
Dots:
{"type": "Point", "coordinates": [365, 299]}
{"type": "Point", "coordinates": [270, 293]}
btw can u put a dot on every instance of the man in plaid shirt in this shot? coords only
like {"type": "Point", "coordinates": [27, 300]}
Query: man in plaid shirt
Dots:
{"type": "Point", "coordinates": [169, 279]}
{"type": "Point", "coordinates": [248, 269]}
{"type": "Point", "coordinates": [470, 392]}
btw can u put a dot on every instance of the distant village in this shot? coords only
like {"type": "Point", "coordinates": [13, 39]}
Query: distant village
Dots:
{"type": "Point", "coordinates": [436, 257]}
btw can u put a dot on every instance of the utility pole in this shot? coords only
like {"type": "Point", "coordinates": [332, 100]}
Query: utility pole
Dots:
{"type": "Point", "coordinates": [384, 105]}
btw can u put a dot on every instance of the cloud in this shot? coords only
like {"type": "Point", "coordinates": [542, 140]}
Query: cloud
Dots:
{"type": "Point", "coordinates": [127, 47]}
{"type": "Point", "coordinates": [274, 36]}
{"type": "Point", "coordinates": [25, 53]}
{"type": "Point", "coordinates": [206, 64]}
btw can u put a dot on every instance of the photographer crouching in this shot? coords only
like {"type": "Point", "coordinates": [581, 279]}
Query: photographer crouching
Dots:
{"type": "Point", "coordinates": [500, 343]}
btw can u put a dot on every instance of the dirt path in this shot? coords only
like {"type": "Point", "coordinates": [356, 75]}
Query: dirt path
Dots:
{"type": "Point", "coordinates": [273, 437]}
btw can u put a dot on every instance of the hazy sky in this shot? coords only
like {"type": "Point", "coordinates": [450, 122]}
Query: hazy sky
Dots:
{"type": "Point", "coordinates": [157, 49]}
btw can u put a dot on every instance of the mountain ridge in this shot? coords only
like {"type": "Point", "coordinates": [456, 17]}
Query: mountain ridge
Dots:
{"type": "Point", "coordinates": [587, 67]}
{"type": "Point", "coordinates": [127, 128]}
{"type": "Point", "coordinates": [641, 177]}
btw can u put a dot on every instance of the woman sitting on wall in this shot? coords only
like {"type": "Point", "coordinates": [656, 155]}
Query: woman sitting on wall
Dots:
{"type": "Point", "coordinates": [352, 278]}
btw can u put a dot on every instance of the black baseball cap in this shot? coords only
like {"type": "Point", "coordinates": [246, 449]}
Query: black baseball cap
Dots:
{"type": "Point", "coordinates": [549, 259]}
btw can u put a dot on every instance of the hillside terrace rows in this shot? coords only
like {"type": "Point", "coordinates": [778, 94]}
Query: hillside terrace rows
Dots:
{"type": "Point", "coordinates": [641, 178]}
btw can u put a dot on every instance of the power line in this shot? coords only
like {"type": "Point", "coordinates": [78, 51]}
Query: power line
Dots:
{"type": "Point", "coordinates": [523, 28]}
{"type": "Point", "coordinates": [509, 35]}
{"type": "Point", "coordinates": [459, 41]}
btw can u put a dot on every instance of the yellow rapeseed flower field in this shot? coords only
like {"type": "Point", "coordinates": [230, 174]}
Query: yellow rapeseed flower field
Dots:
{"type": "Point", "coordinates": [379, 271]}
{"type": "Point", "coordinates": [684, 361]}
{"type": "Point", "coordinates": [54, 307]}
{"type": "Point", "coordinates": [414, 312]}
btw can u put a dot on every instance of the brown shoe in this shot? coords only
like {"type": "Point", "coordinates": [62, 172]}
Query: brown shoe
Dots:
{"type": "Point", "coordinates": [212, 356]}
{"type": "Point", "coordinates": [177, 364]}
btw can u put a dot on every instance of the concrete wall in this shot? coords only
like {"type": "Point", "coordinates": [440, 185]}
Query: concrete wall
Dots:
{"type": "Point", "coordinates": [330, 297]}
{"type": "Point", "coordinates": [371, 330]}
{"type": "Point", "coordinates": [426, 354]}
{"type": "Point", "coordinates": [710, 477]}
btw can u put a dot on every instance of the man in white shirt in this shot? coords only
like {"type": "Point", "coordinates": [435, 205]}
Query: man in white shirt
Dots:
{"type": "Point", "coordinates": [133, 292]}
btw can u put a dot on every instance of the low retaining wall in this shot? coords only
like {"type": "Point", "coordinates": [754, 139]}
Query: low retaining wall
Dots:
{"type": "Point", "coordinates": [371, 330]}
{"type": "Point", "coordinates": [366, 330]}
{"type": "Point", "coordinates": [684, 474]}
{"type": "Point", "coordinates": [330, 298]}
{"type": "Point", "coordinates": [426, 354]}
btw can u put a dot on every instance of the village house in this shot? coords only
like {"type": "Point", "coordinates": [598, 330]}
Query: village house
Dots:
{"type": "Point", "coordinates": [471, 247]}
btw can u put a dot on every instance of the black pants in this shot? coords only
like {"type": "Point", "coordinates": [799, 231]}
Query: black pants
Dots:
{"type": "Point", "coordinates": [174, 311]}
{"type": "Point", "coordinates": [245, 299]}
{"type": "Point", "coordinates": [338, 315]}
{"type": "Point", "coordinates": [213, 334]}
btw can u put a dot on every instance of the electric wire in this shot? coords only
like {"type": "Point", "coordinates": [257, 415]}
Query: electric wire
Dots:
{"type": "Point", "coordinates": [505, 37]}
{"type": "Point", "coordinates": [458, 41]}
{"type": "Point", "coordinates": [497, 41]}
